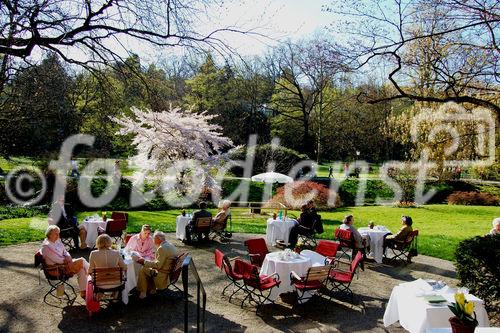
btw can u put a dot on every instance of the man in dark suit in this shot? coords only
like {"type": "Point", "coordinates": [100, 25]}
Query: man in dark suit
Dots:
{"type": "Point", "coordinates": [308, 220]}
{"type": "Point", "coordinates": [190, 228]}
{"type": "Point", "coordinates": [63, 215]}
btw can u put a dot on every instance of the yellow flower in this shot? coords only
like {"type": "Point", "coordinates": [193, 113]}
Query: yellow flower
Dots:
{"type": "Point", "coordinates": [460, 299]}
{"type": "Point", "coordinates": [469, 308]}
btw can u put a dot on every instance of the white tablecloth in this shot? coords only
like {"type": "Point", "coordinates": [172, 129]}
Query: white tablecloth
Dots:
{"type": "Point", "coordinates": [274, 264]}
{"type": "Point", "coordinates": [133, 269]}
{"type": "Point", "coordinates": [416, 315]}
{"type": "Point", "coordinates": [180, 226]}
{"type": "Point", "coordinates": [91, 227]}
{"type": "Point", "coordinates": [278, 229]}
{"type": "Point", "coordinates": [477, 330]}
{"type": "Point", "coordinates": [376, 241]}
{"type": "Point", "coordinates": [316, 258]}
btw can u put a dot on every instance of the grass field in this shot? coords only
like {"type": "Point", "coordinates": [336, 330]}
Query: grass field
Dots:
{"type": "Point", "coordinates": [441, 227]}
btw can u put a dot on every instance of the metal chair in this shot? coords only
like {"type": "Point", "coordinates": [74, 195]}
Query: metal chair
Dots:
{"type": "Point", "coordinates": [235, 275]}
{"type": "Point", "coordinates": [201, 226]}
{"type": "Point", "coordinates": [346, 242]}
{"type": "Point", "coordinates": [341, 279]}
{"type": "Point", "coordinates": [108, 283]}
{"type": "Point", "coordinates": [314, 280]}
{"type": "Point", "coordinates": [218, 229]}
{"type": "Point", "coordinates": [404, 250]}
{"type": "Point", "coordinates": [56, 277]}
{"type": "Point", "coordinates": [258, 287]}
{"type": "Point", "coordinates": [67, 236]}
{"type": "Point", "coordinates": [257, 250]}
{"type": "Point", "coordinates": [327, 249]}
{"type": "Point", "coordinates": [309, 238]}
{"type": "Point", "coordinates": [176, 272]}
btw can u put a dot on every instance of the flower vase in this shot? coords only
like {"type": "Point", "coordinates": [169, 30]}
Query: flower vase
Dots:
{"type": "Point", "coordinates": [458, 326]}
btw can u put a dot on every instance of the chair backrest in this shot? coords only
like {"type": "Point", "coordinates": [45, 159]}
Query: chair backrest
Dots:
{"type": "Point", "coordinates": [115, 227]}
{"type": "Point", "coordinates": [318, 273]}
{"type": "Point", "coordinates": [250, 273]}
{"type": "Point", "coordinates": [411, 236]}
{"type": "Point", "coordinates": [356, 262]}
{"type": "Point", "coordinates": [39, 260]}
{"type": "Point", "coordinates": [107, 277]}
{"type": "Point", "coordinates": [119, 216]}
{"type": "Point", "coordinates": [257, 246]}
{"type": "Point", "coordinates": [127, 238]}
{"type": "Point", "coordinates": [220, 225]}
{"type": "Point", "coordinates": [218, 258]}
{"type": "Point", "coordinates": [345, 237]}
{"type": "Point", "coordinates": [327, 248]}
{"type": "Point", "coordinates": [176, 272]}
{"type": "Point", "coordinates": [203, 224]}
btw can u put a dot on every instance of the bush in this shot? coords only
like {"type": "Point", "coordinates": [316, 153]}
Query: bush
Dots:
{"type": "Point", "coordinates": [255, 193]}
{"type": "Point", "coordinates": [472, 198]}
{"type": "Point", "coordinates": [284, 158]}
{"type": "Point", "coordinates": [491, 172]}
{"type": "Point", "coordinates": [12, 212]}
{"type": "Point", "coordinates": [300, 191]}
{"type": "Point", "coordinates": [477, 269]}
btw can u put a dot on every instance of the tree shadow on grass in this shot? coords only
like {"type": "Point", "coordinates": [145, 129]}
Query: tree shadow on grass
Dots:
{"type": "Point", "coordinates": [161, 313]}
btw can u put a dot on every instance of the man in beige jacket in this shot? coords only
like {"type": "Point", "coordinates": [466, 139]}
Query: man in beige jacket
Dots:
{"type": "Point", "coordinates": [155, 274]}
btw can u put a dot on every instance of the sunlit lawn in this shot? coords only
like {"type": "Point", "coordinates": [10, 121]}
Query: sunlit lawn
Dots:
{"type": "Point", "coordinates": [441, 226]}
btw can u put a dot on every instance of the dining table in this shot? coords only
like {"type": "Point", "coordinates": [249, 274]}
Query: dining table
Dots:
{"type": "Point", "coordinates": [408, 305]}
{"type": "Point", "coordinates": [181, 223]}
{"type": "Point", "coordinates": [133, 269]}
{"type": "Point", "coordinates": [376, 235]}
{"type": "Point", "coordinates": [283, 263]}
{"type": "Point", "coordinates": [279, 229]}
{"type": "Point", "coordinates": [92, 225]}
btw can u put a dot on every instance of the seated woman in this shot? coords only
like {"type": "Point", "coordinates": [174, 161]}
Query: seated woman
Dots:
{"type": "Point", "coordinates": [223, 213]}
{"type": "Point", "coordinates": [401, 235]}
{"type": "Point", "coordinates": [54, 253]}
{"type": "Point", "coordinates": [142, 243]}
{"type": "Point", "coordinates": [103, 257]}
{"type": "Point", "coordinates": [496, 227]}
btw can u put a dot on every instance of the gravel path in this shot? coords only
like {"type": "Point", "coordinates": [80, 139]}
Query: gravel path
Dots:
{"type": "Point", "coordinates": [22, 308]}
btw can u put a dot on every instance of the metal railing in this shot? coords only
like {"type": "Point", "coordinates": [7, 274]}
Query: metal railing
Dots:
{"type": "Point", "coordinates": [188, 265]}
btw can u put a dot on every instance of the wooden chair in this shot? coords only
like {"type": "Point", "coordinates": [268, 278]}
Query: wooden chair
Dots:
{"type": "Point", "coordinates": [201, 226]}
{"type": "Point", "coordinates": [257, 250]}
{"type": "Point", "coordinates": [404, 250]}
{"type": "Point", "coordinates": [218, 229]}
{"type": "Point", "coordinates": [235, 275]}
{"type": "Point", "coordinates": [314, 280]}
{"type": "Point", "coordinates": [108, 283]}
{"type": "Point", "coordinates": [56, 277]}
{"type": "Point", "coordinates": [176, 271]}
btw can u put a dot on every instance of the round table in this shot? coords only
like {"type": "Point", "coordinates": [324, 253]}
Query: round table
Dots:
{"type": "Point", "coordinates": [274, 264]}
{"type": "Point", "coordinates": [279, 229]}
{"type": "Point", "coordinates": [91, 226]}
{"type": "Point", "coordinates": [376, 240]}
{"type": "Point", "coordinates": [180, 226]}
{"type": "Point", "coordinates": [133, 269]}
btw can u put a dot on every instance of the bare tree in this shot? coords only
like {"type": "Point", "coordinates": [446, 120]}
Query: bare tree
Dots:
{"type": "Point", "coordinates": [437, 50]}
{"type": "Point", "coordinates": [89, 33]}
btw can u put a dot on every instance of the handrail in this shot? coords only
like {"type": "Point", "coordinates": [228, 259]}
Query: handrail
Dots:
{"type": "Point", "coordinates": [188, 264]}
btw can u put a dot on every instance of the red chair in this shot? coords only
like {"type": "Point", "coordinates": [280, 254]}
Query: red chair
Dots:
{"type": "Point", "coordinates": [346, 242]}
{"type": "Point", "coordinates": [56, 278]}
{"type": "Point", "coordinates": [257, 285]}
{"type": "Point", "coordinates": [234, 275]}
{"type": "Point", "coordinates": [327, 249]}
{"type": "Point", "coordinates": [116, 226]}
{"type": "Point", "coordinates": [341, 279]}
{"type": "Point", "coordinates": [257, 250]}
{"type": "Point", "coordinates": [314, 280]}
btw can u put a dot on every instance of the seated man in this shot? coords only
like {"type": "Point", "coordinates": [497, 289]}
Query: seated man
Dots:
{"type": "Point", "coordinates": [54, 253]}
{"type": "Point", "coordinates": [190, 228]}
{"type": "Point", "coordinates": [360, 242]}
{"type": "Point", "coordinates": [62, 215]}
{"type": "Point", "coordinates": [306, 221]}
{"type": "Point", "coordinates": [142, 243]}
{"type": "Point", "coordinates": [155, 274]}
{"type": "Point", "coordinates": [401, 235]}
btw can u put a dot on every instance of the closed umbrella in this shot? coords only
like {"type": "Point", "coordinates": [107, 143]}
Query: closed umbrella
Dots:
{"type": "Point", "coordinates": [272, 177]}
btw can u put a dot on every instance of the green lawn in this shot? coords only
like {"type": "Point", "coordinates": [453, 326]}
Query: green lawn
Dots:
{"type": "Point", "coordinates": [441, 226]}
